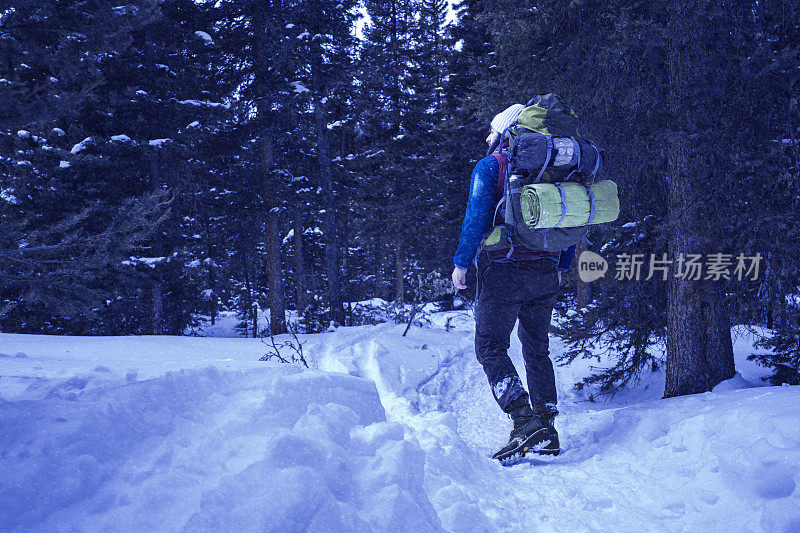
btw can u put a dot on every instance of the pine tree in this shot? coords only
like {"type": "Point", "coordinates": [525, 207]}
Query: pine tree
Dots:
{"type": "Point", "coordinates": [768, 178]}
{"type": "Point", "coordinates": [145, 121]}
{"type": "Point", "coordinates": [62, 243]}
{"type": "Point", "coordinates": [403, 72]}
{"type": "Point", "coordinates": [325, 53]}
{"type": "Point", "coordinates": [257, 49]}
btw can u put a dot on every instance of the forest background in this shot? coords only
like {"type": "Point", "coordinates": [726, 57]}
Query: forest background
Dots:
{"type": "Point", "coordinates": [162, 162]}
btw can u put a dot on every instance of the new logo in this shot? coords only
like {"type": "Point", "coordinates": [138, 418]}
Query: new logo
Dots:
{"type": "Point", "coordinates": [591, 266]}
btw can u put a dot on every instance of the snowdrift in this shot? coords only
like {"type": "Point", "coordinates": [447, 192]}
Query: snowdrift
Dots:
{"type": "Point", "coordinates": [272, 449]}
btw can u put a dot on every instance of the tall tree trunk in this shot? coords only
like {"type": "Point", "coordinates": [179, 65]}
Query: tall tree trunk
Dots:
{"type": "Point", "coordinates": [247, 306]}
{"type": "Point", "coordinates": [699, 347]}
{"type": "Point", "coordinates": [214, 310]}
{"type": "Point", "coordinates": [380, 280]}
{"type": "Point", "coordinates": [346, 273]}
{"type": "Point", "coordinates": [397, 113]}
{"type": "Point", "coordinates": [159, 246]}
{"type": "Point", "coordinates": [159, 249]}
{"type": "Point", "coordinates": [399, 286]}
{"type": "Point", "coordinates": [212, 278]}
{"type": "Point", "coordinates": [212, 284]}
{"type": "Point", "coordinates": [326, 182]}
{"type": "Point", "coordinates": [158, 305]}
{"type": "Point", "coordinates": [277, 305]}
{"type": "Point", "coordinates": [299, 263]}
{"type": "Point", "coordinates": [394, 44]}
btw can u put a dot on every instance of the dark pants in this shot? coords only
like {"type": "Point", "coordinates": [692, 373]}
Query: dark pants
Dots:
{"type": "Point", "coordinates": [506, 291]}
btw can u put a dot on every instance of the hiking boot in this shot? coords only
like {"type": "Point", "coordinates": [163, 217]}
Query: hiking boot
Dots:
{"type": "Point", "coordinates": [530, 434]}
{"type": "Point", "coordinates": [548, 412]}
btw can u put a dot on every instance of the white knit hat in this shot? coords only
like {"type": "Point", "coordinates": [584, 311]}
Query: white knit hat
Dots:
{"type": "Point", "coordinates": [502, 121]}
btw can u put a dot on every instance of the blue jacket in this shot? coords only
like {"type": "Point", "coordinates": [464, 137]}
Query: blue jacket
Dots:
{"type": "Point", "coordinates": [480, 209]}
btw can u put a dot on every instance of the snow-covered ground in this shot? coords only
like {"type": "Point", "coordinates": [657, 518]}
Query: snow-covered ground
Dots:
{"type": "Point", "coordinates": [384, 433]}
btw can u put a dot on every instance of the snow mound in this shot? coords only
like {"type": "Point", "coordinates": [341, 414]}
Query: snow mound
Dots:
{"type": "Point", "coordinates": [737, 382]}
{"type": "Point", "coordinates": [291, 451]}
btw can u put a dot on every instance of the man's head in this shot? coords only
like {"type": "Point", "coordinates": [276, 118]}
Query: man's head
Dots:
{"type": "Point", "coordinates": [493, 140]}
{"type": "Point", "coordinates": [500, 123]}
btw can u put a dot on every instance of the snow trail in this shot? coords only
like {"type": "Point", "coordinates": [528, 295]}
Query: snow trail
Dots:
{"type": "Point", "coordinates": [657, 465]}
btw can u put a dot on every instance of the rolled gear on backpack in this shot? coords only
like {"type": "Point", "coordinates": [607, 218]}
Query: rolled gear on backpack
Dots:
{"type": "Point", "coordinates": [568, 205]}
{"type": "Point", "coordinates": [548, 239]}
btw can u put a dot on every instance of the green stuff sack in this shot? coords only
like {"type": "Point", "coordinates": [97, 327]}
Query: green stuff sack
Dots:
{"type": "Point", "coordinates": [542, 204]}
{"type": "Point", "coordinates": [546, 114]}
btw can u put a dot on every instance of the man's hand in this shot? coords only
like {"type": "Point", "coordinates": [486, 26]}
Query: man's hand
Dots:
{"type": "Point", "coordinates": [460, 278]}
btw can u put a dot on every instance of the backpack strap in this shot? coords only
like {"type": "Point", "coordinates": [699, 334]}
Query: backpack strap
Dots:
{"type": "Point", "coordinates": [500, 188]}
{"type": "Point", "coordinates": [502, 192]}
{"type": "Point", "coordinates": [508, 217]}
{"type": "Point", "coordinates": [502, 162]}
{"type": "Point", "coordinates": [577, 162]}
{"type": "Point", "coordinates": [596, 160]}
{"type": "Point", "coordinates": [547, 157]}
{"type": "Point", "coordinates": [564, 204]}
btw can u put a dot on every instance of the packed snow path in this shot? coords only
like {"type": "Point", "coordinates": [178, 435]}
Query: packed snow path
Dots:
{"type": "Point", "coordinates": [195, 434]}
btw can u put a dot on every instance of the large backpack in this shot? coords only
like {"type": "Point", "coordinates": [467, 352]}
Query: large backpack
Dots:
{"type": "Point", "coordinates": [544, 146]}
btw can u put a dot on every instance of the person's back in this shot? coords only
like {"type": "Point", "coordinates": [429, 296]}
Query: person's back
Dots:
{"type": "Point", "coordinates": [517, 283]}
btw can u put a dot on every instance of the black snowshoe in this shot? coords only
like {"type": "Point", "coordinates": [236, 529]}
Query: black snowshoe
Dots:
{"type": "Point", "coordinates": [532, 433]}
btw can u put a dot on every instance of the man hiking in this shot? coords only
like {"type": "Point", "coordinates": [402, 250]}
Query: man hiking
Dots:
{"type": "Point", "coordinates": [513, 283]}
